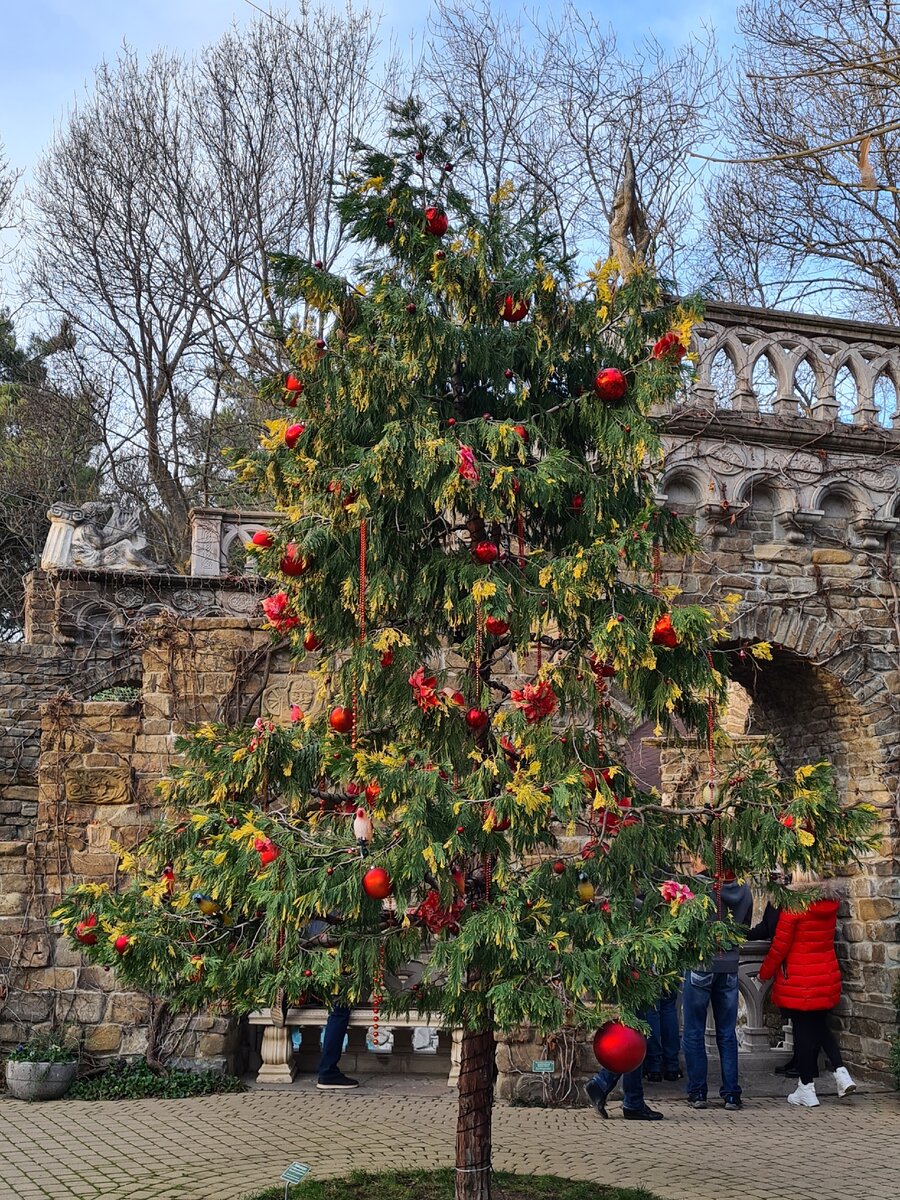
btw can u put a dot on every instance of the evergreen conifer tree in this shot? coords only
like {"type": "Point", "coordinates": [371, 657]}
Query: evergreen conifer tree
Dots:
{"type": "Point", "coordinates": [469, 543]}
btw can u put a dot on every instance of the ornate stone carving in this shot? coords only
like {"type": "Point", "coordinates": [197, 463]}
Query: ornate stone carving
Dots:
{"type": "Point", "coordinates": [100, 536]}
{"type": "Point", "coordinates": [98, 785]}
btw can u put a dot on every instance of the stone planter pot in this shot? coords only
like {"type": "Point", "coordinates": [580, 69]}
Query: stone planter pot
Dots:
{"type": "Point", "coordinates": [39, 1080]}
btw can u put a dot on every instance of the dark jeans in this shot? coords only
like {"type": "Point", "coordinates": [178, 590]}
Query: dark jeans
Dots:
{"type": "Point", "coordinates": [333, 1043]}
{"type": "Point", "coordinates": [663, 1042]}
{"type": "Point", "coordinates": [702, 988]}
{"type": "Point", "coordinates": [811, 1033]}
{"type": "Point", "coordinates": [632, 1086]}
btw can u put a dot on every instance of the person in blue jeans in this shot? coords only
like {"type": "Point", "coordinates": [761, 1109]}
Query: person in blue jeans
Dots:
{"type": "Point", "coordinates": [331, 1078]}
{"type": "Point", "coordinates": [634, 1107]}
{"type": "Point", "coordinates": [716, 984]}
{"type": "Point", "coordinates": [664, 1041]}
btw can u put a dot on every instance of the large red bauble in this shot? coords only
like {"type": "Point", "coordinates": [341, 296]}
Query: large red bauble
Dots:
{"type": "Point", "coordinates": [83, 932]}
{"type": "Point", "coordinates": [377, 883]}
{"type": "Point", "coordinates": [292, 563]}
{"type": "Point", "coordinates": [293, 434]}
{"type": "Point", "coordinates": [477, 718]}
{"type": "Point", "coordinates": [610, 384]}
{"type": "Point", "coordinates": [619, 1048]}
{"type": "Point", "coordinates": [341, 719]}
{"type": "Point", "coordinates": [513, 310]}
{"type": "Point", "coordinates": [497, 626]}
{"type": "Point", "coordinates": [122, 943]}
{"type": "Point", "coordinates": [436, 221]}
{"type": "Point", "coordinates": [263, 538]}
{"type": "Point", "coordinates": [268, 855]}
{"type": "Point", "coordinates": [663, 633]}
{"type": "Point", "coordinates": [293, 388]}
{"type": "Point", "coordinates": [311, 642]}
{"type": "Point", "coordinates": [486, 552]}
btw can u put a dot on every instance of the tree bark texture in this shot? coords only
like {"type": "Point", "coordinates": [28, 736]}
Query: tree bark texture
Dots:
{"type": "Point", "coordinates": [473, 1125]}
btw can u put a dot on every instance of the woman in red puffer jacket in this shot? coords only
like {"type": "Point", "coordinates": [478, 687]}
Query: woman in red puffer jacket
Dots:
{"type": "Point", "coordinates": [807, 985]}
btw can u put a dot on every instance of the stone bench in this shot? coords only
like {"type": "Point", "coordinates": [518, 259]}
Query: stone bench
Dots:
{"type": "Point", "coordinates": [395, 1053]}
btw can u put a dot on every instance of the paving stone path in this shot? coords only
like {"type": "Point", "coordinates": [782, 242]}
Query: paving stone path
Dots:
{"type": "Point", "coordinates": [221, 1147]}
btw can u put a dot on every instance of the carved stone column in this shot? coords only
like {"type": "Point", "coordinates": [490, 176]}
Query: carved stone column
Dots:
{"type": "Point", "coordinates": [277, 1054]}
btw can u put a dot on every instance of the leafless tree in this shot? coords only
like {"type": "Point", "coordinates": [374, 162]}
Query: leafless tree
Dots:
{"type": "Point", "coordinates": [815, 222]}
{"type": "Point", "coordinates": [152, 216]}
{"type": "Point", "coordinates": [555, 105]}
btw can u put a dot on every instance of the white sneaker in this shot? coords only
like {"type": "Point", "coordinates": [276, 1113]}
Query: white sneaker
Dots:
{"type": "Point", "coordinates": [805, 1096]}
{"type": "Point", "coordinates": [845, 1085]}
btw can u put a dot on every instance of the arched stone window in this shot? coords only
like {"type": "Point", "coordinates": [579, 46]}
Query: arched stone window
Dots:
{"type": "Point", "coordinates": [838, 509]}
{"type": "Point", "coordinates": [683, 495]}
{"type": "Point", "coordinates": [763, 503]}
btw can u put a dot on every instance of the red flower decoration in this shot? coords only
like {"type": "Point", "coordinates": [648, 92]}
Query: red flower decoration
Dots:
{"type": "Point", "coordinates": [669, 346]}
{"type": "Point", "coordinates": [423, 689]}
{"type": "Point", "coordinates": [278, 612]}
{"type": "Point", "coordinates": [536, 700]}
{"type": "Point", "coordinates": [468, 469]}
{"type": "Point", "coordinates": [664, 634]}
{"type": "Point", "coordinates": [436, 918]}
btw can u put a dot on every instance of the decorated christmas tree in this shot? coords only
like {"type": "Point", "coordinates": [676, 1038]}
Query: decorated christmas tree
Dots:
{"type": "Point", "coordinates": [463, 462]}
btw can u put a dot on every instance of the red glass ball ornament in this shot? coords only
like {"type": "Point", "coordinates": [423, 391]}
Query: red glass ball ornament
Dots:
{"type": "Point", "coordinates": [559, 866]}
{"type": "Point", "coordinates": [83, 930]}
{"type": "Point", "coordinates": [263, 538]}
{"type": "Point", "coordinates": [307, 973]}
{"type": "Point", "coordinates": [486, 552]}
{"type": "Point", "coordinates": [318, 264]}
{"type": "Point", "coordinates": [311, 642]}
{"type": "Point", "coordinates": [377, 883]}
{"type": "Point", "coordinates": [292, 563]}
{"type": "Point", "coordinates": [387, 658]}
{"type": "Point", "coordinates": [577, 503]}
{"type": "Point", "coordinates": [410, 308]}
{"type": "Point", "coordinates": [448, 166]}
{"type": "Point", "coordinates": [122, 943]}
{"type": "Point", "coordinates": [497, 626]}
{"type": "Point", "coordinates": [476, 719]}
{"type": "Point", "coordinates": [440, 255]}
{"type": "Point", "coordinates": [512, 309]}
{"type": "Point", "coordinates": [341, 719]}
{"type": "Point", "coordinates": [329, 870]}
{"type": "Point", "coordinates": [521, 432]}
{"type": "Point", "coordinates": [293, 434]}
{"type": "Point", "coordinates": [619, 1048]}
{"type": "Point", "coordinates": [390, 222]}
{"type": "Point", "coordinates": [610, 384]}
{"type": "Point", "coordinates": [293, 385]}
{"type": "Point", "coordinates": [320, 343]}
{"type": "Point", "coordinates": [509, 373]}
{"type": "Point", "coordinates": [436, 222]}
{"type": "Point", "coordinates": [419, 155]}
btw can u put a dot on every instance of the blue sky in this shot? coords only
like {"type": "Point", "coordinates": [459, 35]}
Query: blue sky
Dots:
{"type": "Point", "coordinates": [49, 48]}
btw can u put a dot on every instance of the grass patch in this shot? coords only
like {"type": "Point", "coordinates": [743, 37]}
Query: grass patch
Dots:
{"type": "Point", "coordinates": [135, 1081]}
{"type": "Point", "coordinates": [438, 1185]}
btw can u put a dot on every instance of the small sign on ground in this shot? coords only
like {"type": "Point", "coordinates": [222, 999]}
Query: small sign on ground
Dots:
{"type": "Point", "coordinates": [295, 1173]}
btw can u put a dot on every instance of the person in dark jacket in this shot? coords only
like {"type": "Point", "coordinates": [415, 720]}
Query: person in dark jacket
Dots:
{"type": "Point", "coordinates": [715, 983]}
{"type": "Point", "coordinates": [807, 985]}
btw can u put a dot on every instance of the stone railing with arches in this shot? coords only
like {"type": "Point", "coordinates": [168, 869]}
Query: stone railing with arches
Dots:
{"type": "Point", "coordinates": [757, 360]}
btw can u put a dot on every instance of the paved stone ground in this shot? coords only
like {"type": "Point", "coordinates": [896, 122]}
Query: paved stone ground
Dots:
{"type": "Point", "coordinates": [221, 1147]}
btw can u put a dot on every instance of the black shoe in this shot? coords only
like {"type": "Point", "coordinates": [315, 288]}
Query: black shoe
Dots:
{"type": "Point", "coordinates": [597, 1097]}
{"type": "Point", "coordinates": [673, 1076]}
{"type": "Point", "coordinates": [641, 1114]}
{"type": "Point", "coordinates": [697, 1101]}
{"type": "Point", "coordinates": [653, 1076]}
{"type": "Point", "coordinates": [337, 1083]}
{"type": "Point", "coordinates": [788, 1070]}
{"type": "Point", "coordinates": [733, 1103]}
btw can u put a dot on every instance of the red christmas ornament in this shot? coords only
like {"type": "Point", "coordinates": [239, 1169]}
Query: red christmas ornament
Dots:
{"type": "Point", "coordinates": [377, 883]}
{"type": "Point", "coordinates": [341, 719]}
{"type": "Point", "coordinates": [669, 346]}
{"type": "Point", "coordinates": [294, 389]}
{"type": "Point", "coordinates": [387, 658]}
{"type": "Point", "coordinates": [318, 264]}
{"type": "Point", "coordinates": [498, 823]}
{"type": "Point", "coordinates": [410, 308]}
{"type": "Point", "coordinates": [522, 432]}
{"type": "Point", "coordinates": [559, 866]}
{"type": "Point", "coordinates": [787, 821]}
{"type": "Point", "coordinates": [610, 384]}
{"type": "Point", "coordinates": [497, 626]}
{"type": "Point", "coordinates": [292, 563]}
{"type": "Point", "coordinates": [311, 642]}
{"type": "Point", "coordinates": [577, 503]}
{"type": "Point", "coordinates": [452, 697]}
{"type": "Point", "coordinates": [436, 221]}
{"type": "Point", "coordinates": [619, 1048]}
{"type": "Point", "coordinates": [664, 634]}
{"type": "Point", "coordinates": [122, 943]}
{"type": "Point", "coordinates": [293, 434]}
{"type": "Point", "coordinates": [440, 255]}
{"type": "Point", "coordinates": [512, 309]}
{"type": "Point", "coordinates": [267, 850]}
{"type": "Point", "coordinates": [486, 552]}
{"type": "Point", "coordinates": [263, 539]}
{"type": "Point", "coordinates": [373, 791]}
{"type": "Point", "coordinates": [83, 931]}
{"type": "Point", "coordinates": [476, 719]}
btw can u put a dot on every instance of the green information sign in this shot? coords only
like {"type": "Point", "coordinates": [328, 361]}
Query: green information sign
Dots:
{"type": "Point", "coordinates": [543, 1066]}
{"type": "Point", "coordinates": [295, 1173]}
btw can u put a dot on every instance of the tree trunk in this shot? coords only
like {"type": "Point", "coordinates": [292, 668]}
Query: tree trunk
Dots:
{"type": "Point", "coordinates": [473, 1125]}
